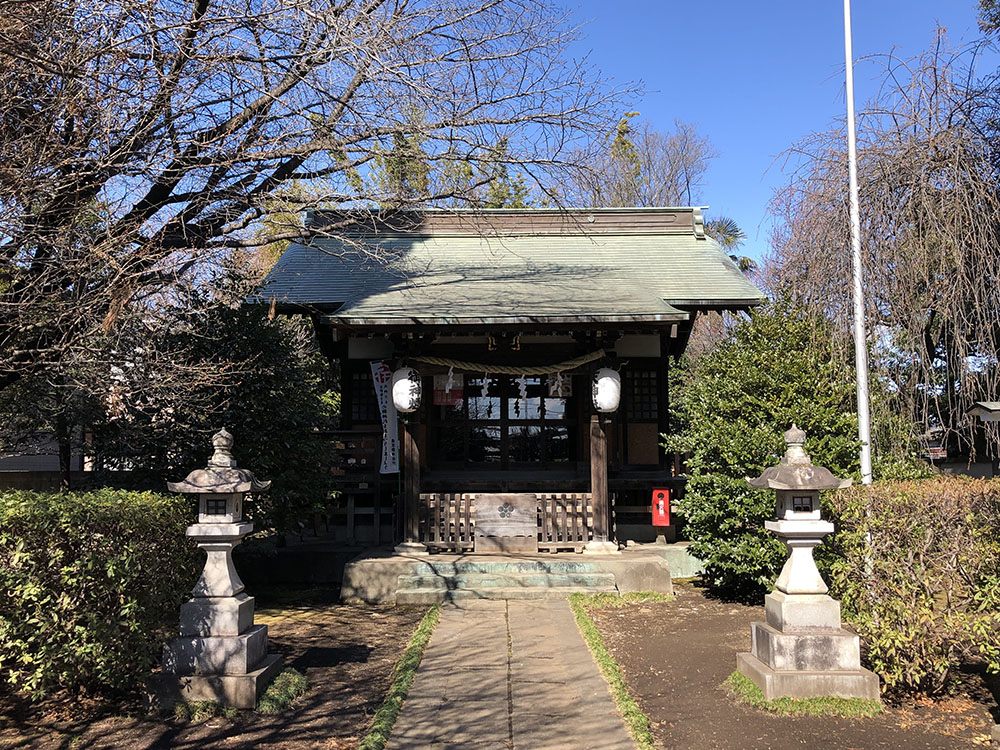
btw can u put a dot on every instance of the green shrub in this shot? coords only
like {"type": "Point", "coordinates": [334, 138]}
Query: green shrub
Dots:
{"type": "Point", "coordinates": [732, 407]}
{"type": "Point", "coordinates": [731, 410]}
{"type": "Point", "coordinates": [273, 392]}
{"type": "Point", "coordinates": [87, 584]}
{"type": "Point", "coordinates": [916, 566]}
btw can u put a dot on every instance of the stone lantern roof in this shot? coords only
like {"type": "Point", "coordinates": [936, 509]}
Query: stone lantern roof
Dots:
{"type": "Point", "coordinates": [796, 470]}
{"type": "Point", "coordinates": [221, 476]}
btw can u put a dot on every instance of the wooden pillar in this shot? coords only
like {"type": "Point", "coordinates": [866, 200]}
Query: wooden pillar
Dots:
{"type": "Point", "coordinates": [663, 399]}
{"type": "Point", "coordinates": [599, 477]}
{"type": "Point", "coordinates": [411, 483]}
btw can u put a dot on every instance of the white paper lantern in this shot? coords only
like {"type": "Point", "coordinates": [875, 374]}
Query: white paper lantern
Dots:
{"type": "Point", "coordinates": [406, 390]}
{"type": "Point", "coordinates": [607, 391]}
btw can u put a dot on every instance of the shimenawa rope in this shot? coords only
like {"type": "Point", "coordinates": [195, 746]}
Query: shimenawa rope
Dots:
{"type": "Point", "coordinates": [569, 364]}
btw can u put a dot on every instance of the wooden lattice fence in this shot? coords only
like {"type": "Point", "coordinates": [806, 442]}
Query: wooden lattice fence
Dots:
{"type": "Point", "coordinates": [448, 521]}
{"type": "Point", "coordinates": [565, 521]}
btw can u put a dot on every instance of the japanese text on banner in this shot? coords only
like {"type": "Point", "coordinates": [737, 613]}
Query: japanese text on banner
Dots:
{"type": "Point", "coordinates": [382, 380]}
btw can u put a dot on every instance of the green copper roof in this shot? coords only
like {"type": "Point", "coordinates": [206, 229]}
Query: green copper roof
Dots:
{"type": "Point", "coordinates": [603, 266]}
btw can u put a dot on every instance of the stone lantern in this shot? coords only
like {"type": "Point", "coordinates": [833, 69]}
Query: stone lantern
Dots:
{"type": "Point", "coordinates": [802, 651]}
{"type": "Point", "coordinates": [220, 654]}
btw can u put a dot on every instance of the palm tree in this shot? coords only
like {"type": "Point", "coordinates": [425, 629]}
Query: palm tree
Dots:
{"type": "Point", "coordinates": [727, 233]}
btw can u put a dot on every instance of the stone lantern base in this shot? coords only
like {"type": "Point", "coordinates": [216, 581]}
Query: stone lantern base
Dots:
{"type": "Point", "coordinates": [803, 652]}
{"type": "Point", "coordinates": [219, 656]}
{"type": "Point", "coordinates": [233, 690]}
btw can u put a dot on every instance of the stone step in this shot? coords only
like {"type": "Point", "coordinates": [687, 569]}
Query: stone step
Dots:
{"type": "Point", "coordinates": [461, 567]}
{"type": "Point", "coordinates": [440, 595]}
{"type": "Point", "coordinates": [507, 580]}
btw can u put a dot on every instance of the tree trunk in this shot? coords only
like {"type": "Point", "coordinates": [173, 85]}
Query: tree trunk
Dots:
{"type": "Point", "coordinates": [63, 437]}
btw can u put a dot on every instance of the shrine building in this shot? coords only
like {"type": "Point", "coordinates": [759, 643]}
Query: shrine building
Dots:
{"type": "Point", "coordinates": [536, 346]}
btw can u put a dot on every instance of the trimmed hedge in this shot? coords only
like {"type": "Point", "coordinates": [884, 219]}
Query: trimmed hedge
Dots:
{"type": "Point", "coordinates": [88, 583]}
{"type": "Point", "coordinates": [916, 566]}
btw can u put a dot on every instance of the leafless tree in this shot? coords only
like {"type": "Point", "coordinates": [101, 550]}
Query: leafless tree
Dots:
{"type": "Point", "coordinates": [643, 166]}
{"type": "Point", "coordinates": [139, 139]}
{"type": "Point", "coordinates": [930, 211]}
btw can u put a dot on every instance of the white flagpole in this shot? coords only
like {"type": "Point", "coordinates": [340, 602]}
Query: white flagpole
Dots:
{"type": "Point", "coordinates": [860, 336]}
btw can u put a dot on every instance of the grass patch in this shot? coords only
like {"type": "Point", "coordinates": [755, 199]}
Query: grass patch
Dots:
{"type": "Point", "coordinates": [747, 692]}
{"type": "Point", "coordinates": [603, 601]}
{"type": "Point", "coordinates": [203, 710]}
{"type": "Point", "coordinates": [636, 721]}
{"type": "Point", "coordinates": [285, 688]}
{"type": "Point", "coordinates": [402, 678]}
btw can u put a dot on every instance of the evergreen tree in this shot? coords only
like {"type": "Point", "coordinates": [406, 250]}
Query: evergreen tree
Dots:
{"type": "Point", "coordinates": [732, 407]}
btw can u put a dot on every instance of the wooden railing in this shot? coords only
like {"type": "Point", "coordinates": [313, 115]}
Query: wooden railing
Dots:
{"type": "Point", "coordinates": [447, 521]}
{"type": "Point", "coordinates": [565, 521]}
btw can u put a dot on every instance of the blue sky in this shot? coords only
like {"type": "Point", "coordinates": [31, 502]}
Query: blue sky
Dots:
{"type": "Point", "coordinates": [755, 77]}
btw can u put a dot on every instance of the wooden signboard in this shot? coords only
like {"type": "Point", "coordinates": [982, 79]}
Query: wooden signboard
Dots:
{"type": "Point", "coordinates": [506, 523]}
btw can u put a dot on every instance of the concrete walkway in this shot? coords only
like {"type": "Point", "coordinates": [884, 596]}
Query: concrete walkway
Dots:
{"type": "Point", "coordinates": [509, 675]}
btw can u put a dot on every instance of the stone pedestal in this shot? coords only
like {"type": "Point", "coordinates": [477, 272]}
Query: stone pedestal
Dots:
{"type": "Point", "coordinates": [801, 651]}
{"type": "Point", "coordinates": [220, 655]}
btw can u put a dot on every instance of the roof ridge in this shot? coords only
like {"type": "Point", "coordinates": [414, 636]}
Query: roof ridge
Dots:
{"type": "Point", "coordinates": [509, 222]}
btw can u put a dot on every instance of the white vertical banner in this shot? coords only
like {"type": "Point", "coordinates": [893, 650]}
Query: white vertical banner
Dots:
{"type": "Point", "coordinates": [382, 380]}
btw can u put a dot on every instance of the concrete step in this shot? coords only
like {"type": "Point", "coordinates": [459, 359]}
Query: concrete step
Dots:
{"type": "Point", "coordinates": [441, 595]}
{"type": "Point", "coordinates": [462, 567]}
{"type": "Point", "coordinates": [507, 580]}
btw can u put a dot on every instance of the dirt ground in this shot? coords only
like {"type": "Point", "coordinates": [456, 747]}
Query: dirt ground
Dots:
{"type": "Point", "coordinates": [676, 655]}
{"type": "Point", "coordinates": [347, 654]}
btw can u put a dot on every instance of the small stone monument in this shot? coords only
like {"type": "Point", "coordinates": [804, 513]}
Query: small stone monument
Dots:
{"type": "Point", "coordinates": [220, 654]}
{"type": "Point", "coordinates": [802, 651]}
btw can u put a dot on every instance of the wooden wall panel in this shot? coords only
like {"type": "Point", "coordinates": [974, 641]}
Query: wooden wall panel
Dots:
{"type": "Point", "coordinates": [643, 444]}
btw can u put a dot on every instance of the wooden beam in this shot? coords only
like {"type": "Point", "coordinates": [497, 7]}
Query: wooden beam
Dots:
{"type": "Point", "coordinates": [663, 400]}
{"type": "Point", "coordinates": [599, 478]}
{"type": "Point", "coordinates": [346, 394]}
{"type": "Point", "coordinates": [411, 483]}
